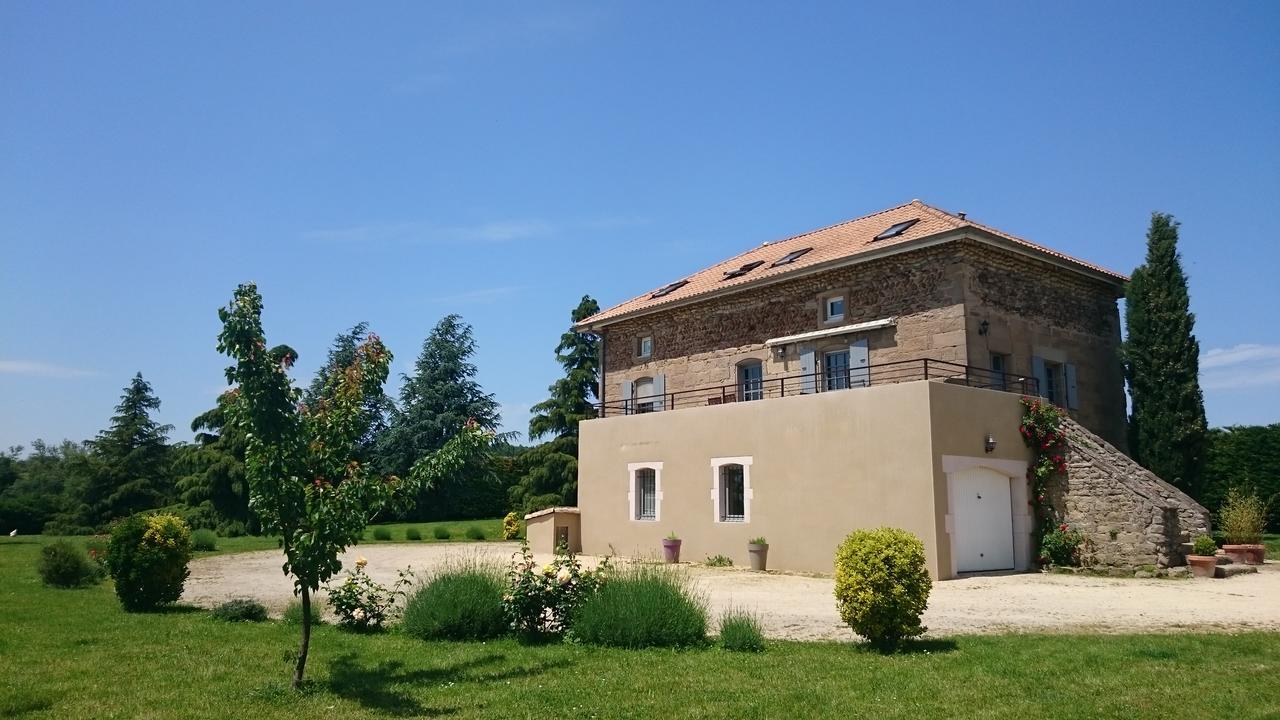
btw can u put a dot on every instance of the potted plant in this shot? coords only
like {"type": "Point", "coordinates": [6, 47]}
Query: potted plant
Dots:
{"type": "Point", "coordinates": [1243, 516]}
{"type": "Point", "coordinates": [1202, 560]}
{"type": "Point", "coordinates": [758, 551]}
{"type": "Point", "coordinates": [671, 548]}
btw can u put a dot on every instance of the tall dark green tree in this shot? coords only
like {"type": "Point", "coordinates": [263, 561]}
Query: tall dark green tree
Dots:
{"type": "Point", "coordinates": [213, 482]}
{"type": "Point", "coordinates": [377, 405]}
{"type": "Point", "coordinates": [133, 465]}
{"type": "Point", "coordinates": [1167, 427]}
{"type": "Point", "coordinates": [551, 469]}
{"type": "Point", "coordinates": [436, 401]}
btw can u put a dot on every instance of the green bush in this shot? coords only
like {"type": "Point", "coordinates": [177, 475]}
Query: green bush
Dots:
{"type": "Point", "coordinates": [475, 532]}
{"type": "Point", "coordinates": [1204, 545]}
{"type": "Point", "coordinates": [240, 610]}
{"type": "Point", "coordinates": [511, 527]}
{"type": "Point", "coordinates": [293, 613]}
{"type": "Point", "coordinates": [740, 631]}
{"type": "Point", "coordinates": [148, 558]}
{"type": "Point", "coordinates": [381, 533]}
{"type": "Point", "coordinates": [441, 533]}
{"type": "Point", "coordinates": [1243, 517]}
{"type": "Point", "coordinates": [643, 606]}
{"type": "Point", "coordinates": [232, 529]}
{"type": "Point", "coordinates": [1061, 546]}
{"type": "Point", "coordinates": [718, 561]}
{"type": "Point", "coordinates": [413, 533]}
{"type": "Point", "coordinates": [65, 564]}
{"type": "Point", "coordinates": [204, 539]}
{"type": "Point", "coordinates": [460, 602]}
{"type": "Point", "coordinates": [882, 586]}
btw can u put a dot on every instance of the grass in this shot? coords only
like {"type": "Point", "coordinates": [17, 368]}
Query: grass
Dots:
{"type": "Point", "coordinates": [1272, 541]}
{"type": "Point", "coordinates": [73, 653]}
{"type": "Point", "coordinates": [492, 529]}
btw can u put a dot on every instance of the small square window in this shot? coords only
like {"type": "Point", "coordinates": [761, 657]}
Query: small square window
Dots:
{"type": "Point", "coordinates": [644, 346]}
{"type": "Point", "coordinates": [834, 308]}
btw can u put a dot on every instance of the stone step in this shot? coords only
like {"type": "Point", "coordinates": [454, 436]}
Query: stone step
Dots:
{"type": "Point", "coordinates": [1226, 571]}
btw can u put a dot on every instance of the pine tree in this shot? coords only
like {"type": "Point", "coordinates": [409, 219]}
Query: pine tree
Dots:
{"type": "Point", "coordinates": [551, 469]}
{"type": "Point", "coordinates": [1167, 428]}
{"type": "Point", "coordinates": [438, 399]}
{"type": "Point", "coordinates": [132, 457]}
{"type": "Point", "coordinates": [215, 483]}
{"type": "Point", "coordinates": [377, 406]}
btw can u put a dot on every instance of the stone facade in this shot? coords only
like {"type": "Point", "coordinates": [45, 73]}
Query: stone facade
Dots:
{"type": "Point", "coordinates": [1129, 517]}
{"type": "Point", "coordinates": [940, 295]}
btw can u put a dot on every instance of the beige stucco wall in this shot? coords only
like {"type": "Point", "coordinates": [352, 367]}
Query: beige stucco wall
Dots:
{"type": "Point", "coordinates": [821, 466]}
{"type": "Point", "coordinates": [540, 531]}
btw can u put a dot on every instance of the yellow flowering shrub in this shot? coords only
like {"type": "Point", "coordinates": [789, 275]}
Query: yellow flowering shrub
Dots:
{"type": "Point", "coordinates": [511, 526]}
{"type": "Point", "coordinates": [147, 558]}
{"type": "Point", "coordinates": [882, 586]}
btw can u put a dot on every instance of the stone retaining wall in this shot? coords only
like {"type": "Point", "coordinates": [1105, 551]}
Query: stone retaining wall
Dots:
{"type": "Point", "coordinates": [1129, 516]}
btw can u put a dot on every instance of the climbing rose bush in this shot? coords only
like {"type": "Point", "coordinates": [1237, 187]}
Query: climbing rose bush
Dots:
{"type": "Point", "coordinates": [1041, 431]}
{"type": "Point", "coordinates": [882, 586]}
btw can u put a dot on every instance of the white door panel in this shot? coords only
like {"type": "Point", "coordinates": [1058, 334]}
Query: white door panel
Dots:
{"type": "Point", "coordinates": [982, 520]}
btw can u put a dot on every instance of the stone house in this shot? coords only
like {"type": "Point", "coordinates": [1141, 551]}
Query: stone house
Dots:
{"type": "Point", "coordinates": [937, 321]}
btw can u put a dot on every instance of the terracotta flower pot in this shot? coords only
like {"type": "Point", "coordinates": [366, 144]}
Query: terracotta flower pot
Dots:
{"type": "Point", "coordinates": [1237, 552]}
{"type": "Point", "coordinates": [1255, 554]}
{"type": "Point", "coordinates": [671, 550]}
{"type": "Point", "coordinates": [1203, 565]}
{"type": "Point", "coordinates": [759, 555]}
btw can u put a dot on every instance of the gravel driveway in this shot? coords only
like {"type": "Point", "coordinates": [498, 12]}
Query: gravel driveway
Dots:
{"type": "Point", "coordinates": [802, 608]}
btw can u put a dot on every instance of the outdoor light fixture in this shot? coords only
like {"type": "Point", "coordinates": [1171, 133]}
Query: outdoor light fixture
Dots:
{"type": "Point", "coordinates": [983, 327]}
{"type": "Point", "coordinates": [989, 444]}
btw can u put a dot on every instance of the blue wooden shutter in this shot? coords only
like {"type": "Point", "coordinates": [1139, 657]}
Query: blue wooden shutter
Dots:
{"type": "Point", "coordinates": [1041, 374]}
{"type": "Point", "coordinates": [859, 363]}
{"type": "Point", "coordinates": [626, 397]}
{"type": "Point", "coordinates": [660, 390]}
{"type": "Point", "coordinates": [1069, 371]}
{"type": "Point", "coordinates": [808, 381]}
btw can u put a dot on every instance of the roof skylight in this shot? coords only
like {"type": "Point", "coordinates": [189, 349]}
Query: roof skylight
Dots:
{"type": "Point", "coordinates": [896, 230]}
{"type": "Point", "coordinates": [668, 289]}
{"type": "Point", "coordinates": [790, 257]}
{"type": "Point", "coordinates": [742, 270]}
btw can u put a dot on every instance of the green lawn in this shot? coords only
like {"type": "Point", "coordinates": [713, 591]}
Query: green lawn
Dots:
{"type": "Point", "coordinates": [457, 529]}
{"type": "Point", "coordinates": [1272, 542]}
{"type": "Point", "coordinates": [74, 653]}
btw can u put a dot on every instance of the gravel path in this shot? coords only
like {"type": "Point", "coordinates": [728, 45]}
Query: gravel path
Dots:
{"type": "Point", "coordinates": [802, 608]}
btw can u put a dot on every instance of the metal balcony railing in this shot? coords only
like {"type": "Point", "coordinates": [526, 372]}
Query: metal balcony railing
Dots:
{"type": "Point", "coordinates": [823, 381]}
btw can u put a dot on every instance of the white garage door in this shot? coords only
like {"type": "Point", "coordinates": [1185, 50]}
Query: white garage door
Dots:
{"type": "Point", "coordinates": [982, 520]}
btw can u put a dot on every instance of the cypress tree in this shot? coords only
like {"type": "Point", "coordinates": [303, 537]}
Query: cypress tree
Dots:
{"type": "Point", "coordinates": [133, 465]}
{"type": "Point", "coordinates": [1167, 427]}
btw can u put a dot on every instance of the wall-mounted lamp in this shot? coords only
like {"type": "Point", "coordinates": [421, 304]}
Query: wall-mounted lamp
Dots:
{"type": "Point", "coordinates": [983, 327]}
{"type": "Point", "coordinates": [989, 443]}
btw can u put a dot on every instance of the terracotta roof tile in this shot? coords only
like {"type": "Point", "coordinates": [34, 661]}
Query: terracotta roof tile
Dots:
{"type": "Point", "coordinates": [829, 244]}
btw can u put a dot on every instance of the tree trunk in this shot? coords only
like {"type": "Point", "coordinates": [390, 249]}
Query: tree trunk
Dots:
{"type": "Point", "coordinates": [306, 639]}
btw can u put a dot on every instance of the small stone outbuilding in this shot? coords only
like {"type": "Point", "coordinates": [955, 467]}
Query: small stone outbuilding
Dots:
{"type": "Point", "coordinates": [1130, 517]}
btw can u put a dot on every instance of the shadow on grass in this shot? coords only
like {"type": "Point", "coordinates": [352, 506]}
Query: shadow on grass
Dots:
{"type": "Point", "coordinates": [386, 686]}
{"type": "Point", "coordinates": [23, 702]}
{"type": "Point", "coordinates": [928, 646]}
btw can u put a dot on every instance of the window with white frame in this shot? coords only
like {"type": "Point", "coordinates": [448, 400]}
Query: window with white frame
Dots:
{"type": "Point", "coordinates": [731, 493]}
{"type": "Point", "coordinates": [833, 308]}
{"type": "Point", "coordinates": [646, 401]}
{"type": "Point", "coordinates": [644, 346]}
{"type": "Point", "coordinates": [645, 494]}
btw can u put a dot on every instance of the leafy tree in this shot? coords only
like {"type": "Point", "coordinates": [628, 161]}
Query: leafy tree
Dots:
{"type": "Point", "coordinates": [1167, 427]}
{"type": "Point", "coordinates": [47, 482]}
{"type": "Point", "coordinates": [214, 485]}
{"type": "Point", "coordinates": [440, 397]}
{"type": "Point", "coordinates": [133, 464]}
{"type": "Point", "coordinates": [551, 470]}
{"type": "Point", "coordinates": [378, 406]}
{"type": "Point", "coordinates": [305, 482]}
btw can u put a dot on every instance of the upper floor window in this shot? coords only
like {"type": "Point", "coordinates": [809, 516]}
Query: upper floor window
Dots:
{"type": "Point", "coordinates": [645, 399]}
{"type": "Point", "coordinates": [751, 380]}
{"type": "Point", "coordinates": [835, 370]}
{"type": "Point", "coordinates": [999, 370]}
{"type": "Point", "coordinates": [644, 346]}
{"type": "Point", "coordinates": [833, 308]}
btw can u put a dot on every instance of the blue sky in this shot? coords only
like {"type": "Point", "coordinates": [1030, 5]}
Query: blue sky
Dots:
{"type": "Point", "coordinates": [500, 160]}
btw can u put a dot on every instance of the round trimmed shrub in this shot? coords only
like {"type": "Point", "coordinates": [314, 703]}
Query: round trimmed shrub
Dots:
{"type": "Point", "coordinates": [643, 606]}
{"type": "Point", "coordinates": [882, 586]}
{"type": "Point", "coordinates": [413, 533]}
{"type": "Point", "coordinates": [65, 564]}
{"type": "Point", "coordinates": [460, 603]}
{"type": "Point", "coordinates": [204, 539]}
{"type": "Point", "coordinates": [381, 533]}
{"type": "Point", "coordinates": [240, 610]}
{"type": "Point", "coordinates": [442, 533]}
{"type": "Point", "coordinates": [475, 532]}
{"type": "Point", "coordinates": [148, 558]}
